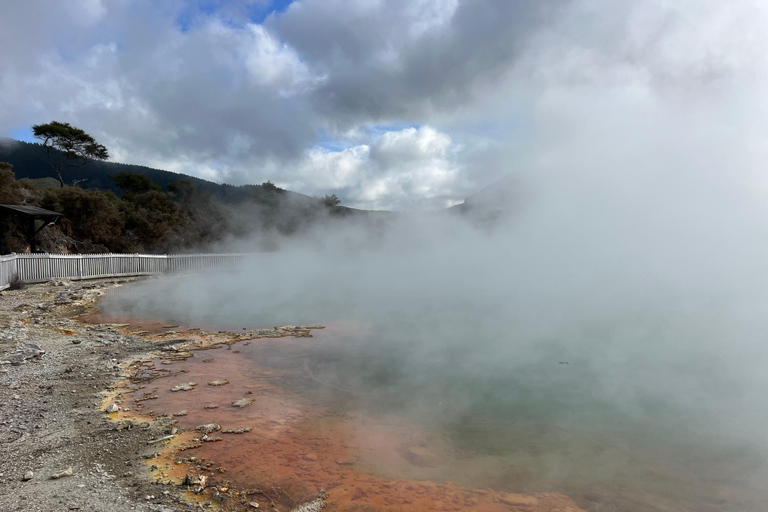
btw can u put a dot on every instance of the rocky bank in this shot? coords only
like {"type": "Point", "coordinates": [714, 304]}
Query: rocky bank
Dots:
{"type": "Point", "coordinates": [52, 372]}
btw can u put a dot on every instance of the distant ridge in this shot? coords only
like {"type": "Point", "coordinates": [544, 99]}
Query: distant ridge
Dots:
{"type": "Point", "coordinates": [30, 162]}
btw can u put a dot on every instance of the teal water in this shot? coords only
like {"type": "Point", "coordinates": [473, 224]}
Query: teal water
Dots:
{"type": "Point", "coordinates": [633, 408]}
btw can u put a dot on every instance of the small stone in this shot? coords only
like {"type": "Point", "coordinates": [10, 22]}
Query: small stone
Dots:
{"type": "Point", "coordinates": [253, 504]}
{"type": "Point", "coordinates": [76, 342]}
{"type": "Point", "coordinates": [211, 406]}
{"type": "Point", "coordinates": [243, 402]}
{"type": "Point", "coordinates": [113, 408]}
{"type": "Point", "coordinates": [187, 386]}
{"type": "Point", "coordinates": [208, 428]}
{"type": "Point", "coordinates": [28, 476]}
{"type": "Point", "coordinates": [218, 382]}
{"type": "Point", "coordinates": [66, 472]}
{"type": "Point", "coordinates": [181, 413]}
{"type": "Point", "coordinates": [346, 461]}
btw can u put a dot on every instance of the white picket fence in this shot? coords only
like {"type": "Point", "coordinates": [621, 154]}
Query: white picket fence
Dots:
{"type": "Point", "coordinates": [36, 268]}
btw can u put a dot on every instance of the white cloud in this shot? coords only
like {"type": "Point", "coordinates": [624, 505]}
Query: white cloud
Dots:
{"type": "Point", "coordinates": [401, 169]}
{"type": "Point", "coordinates": [496, 86]}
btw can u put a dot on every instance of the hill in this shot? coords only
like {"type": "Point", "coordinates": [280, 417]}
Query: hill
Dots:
{"type": "Point", "coordinates": [130, 208]}
{"type": "Point", "coordinates": [29, 161]}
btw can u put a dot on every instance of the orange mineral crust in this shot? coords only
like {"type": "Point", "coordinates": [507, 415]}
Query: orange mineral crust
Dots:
{"type": "Point", "coordinates": [247, 439]}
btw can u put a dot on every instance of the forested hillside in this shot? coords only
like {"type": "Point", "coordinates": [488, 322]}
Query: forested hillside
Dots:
{"type": "Point", "coordinates": [29, 160]}
{"type": "Point", "coordinates": [130, 212]}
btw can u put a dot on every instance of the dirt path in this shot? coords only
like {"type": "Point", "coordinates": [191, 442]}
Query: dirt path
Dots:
{"type": "Point", "coordinates": [52, 370]}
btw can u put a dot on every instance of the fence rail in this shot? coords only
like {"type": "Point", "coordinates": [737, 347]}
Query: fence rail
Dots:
{"type": "Point", "coordinates": [36, 268]}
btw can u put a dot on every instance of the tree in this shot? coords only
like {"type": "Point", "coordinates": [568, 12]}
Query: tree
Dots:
{"type": "Point", "coordinates": [78, 147]}
{"type": "Point", "coordinates": [10, 191]}
{"type": "Point", "coordinates": [133, 183]}
{"type": "Point", "coordinates": [181, 190]}
{"type": "Point", "coordinates": [268, 185]}
{"type": "Point", "coordinates": [331, 201]}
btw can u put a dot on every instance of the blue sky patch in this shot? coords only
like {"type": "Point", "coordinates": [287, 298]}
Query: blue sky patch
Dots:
{"type": "Point", "coordinates": [197, 10]}
{"type": "Point", "coordinates": [379, 130]}
{"type": "Point", "coordinates": [23, 134]}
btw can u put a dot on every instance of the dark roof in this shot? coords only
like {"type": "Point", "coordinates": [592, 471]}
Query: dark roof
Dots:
{"type": "Point", "coordinates": [33, 211]}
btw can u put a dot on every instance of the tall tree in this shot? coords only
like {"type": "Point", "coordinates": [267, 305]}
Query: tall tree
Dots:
{"type": "Point", "coordinates": [78, 147]}
{"type": "Point", "coordinates": [331, 201]}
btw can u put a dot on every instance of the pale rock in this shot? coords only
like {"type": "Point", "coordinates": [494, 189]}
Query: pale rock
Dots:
{"type": "Point", "coordinates": [66, 472]}
{"type": "Point", "coordinates": [208, 428]}
{"type": "Point", "coordinates": [186, 386]}
{"type": "Point", "coordinates": [243, 402]}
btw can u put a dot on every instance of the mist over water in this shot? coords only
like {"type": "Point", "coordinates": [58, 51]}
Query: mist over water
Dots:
{"type": "Point", "coordinates": [580, 352]}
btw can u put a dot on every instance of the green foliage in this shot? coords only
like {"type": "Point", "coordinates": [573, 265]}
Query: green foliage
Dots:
{"type": "Point", "coordinates": [150, 216]}
{"type": "Point", "coordinates": [146, 219]}
{"type": "Point", "coordinates": [10, 190]}
{"type": "Point", "coordinates": [76, 146]}
{"type": "Point", "coordinates": [10, 193]}
{"type": "Point", "coordinates": [182, 190]}
{"type": "Point", "coordinates": [132, 183]}
{"type": "Point", "coordinates": [30, 161]}
{"type": "Point", "coordinates": [331, 201]}
{"type": "Point", "coordinates": [92, 217]}
{"type": "Point", "coordinates": [271, 187]}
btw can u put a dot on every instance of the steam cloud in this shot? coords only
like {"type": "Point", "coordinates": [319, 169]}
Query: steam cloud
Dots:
{"type": "Point", "coordinates": [637, 253]}
{"type": "Point", "coordinates": [654, 298]}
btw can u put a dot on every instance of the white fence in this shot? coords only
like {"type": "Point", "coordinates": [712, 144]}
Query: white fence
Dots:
{"type": "Point", "coordinates": [36, 268]}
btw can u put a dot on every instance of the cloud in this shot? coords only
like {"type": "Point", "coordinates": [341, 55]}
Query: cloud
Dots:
{"type": "Point", "coordinates": [412, 168]}
{"type": "Point", "coordinates": [227, 93]}
{"type": "Point", "coordinates": [405, 60]}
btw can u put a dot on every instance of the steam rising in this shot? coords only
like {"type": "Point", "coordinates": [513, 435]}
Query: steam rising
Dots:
{"type": "Point", "coordinates": [611, 330]}
{"type": "Point", "coordinates": [609, 324]}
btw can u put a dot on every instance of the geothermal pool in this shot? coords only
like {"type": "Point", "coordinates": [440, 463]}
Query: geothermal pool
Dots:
{"type": "Point", "coordinates": [442, 411]}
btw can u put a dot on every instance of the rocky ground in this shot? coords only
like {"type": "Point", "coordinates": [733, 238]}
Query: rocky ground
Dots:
{"type": "Point", "coordinates": [52, 372]}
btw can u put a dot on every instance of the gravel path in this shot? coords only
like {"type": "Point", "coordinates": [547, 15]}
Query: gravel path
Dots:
{"type": "Point", "coordinates": [52, 370]}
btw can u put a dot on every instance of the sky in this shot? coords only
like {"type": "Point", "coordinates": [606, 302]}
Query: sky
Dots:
{"type": "Point", "coordinates": [405, 104]}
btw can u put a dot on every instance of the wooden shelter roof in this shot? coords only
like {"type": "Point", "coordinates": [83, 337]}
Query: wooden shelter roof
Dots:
{"type": "Point", "coordinates": [30, 211]}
